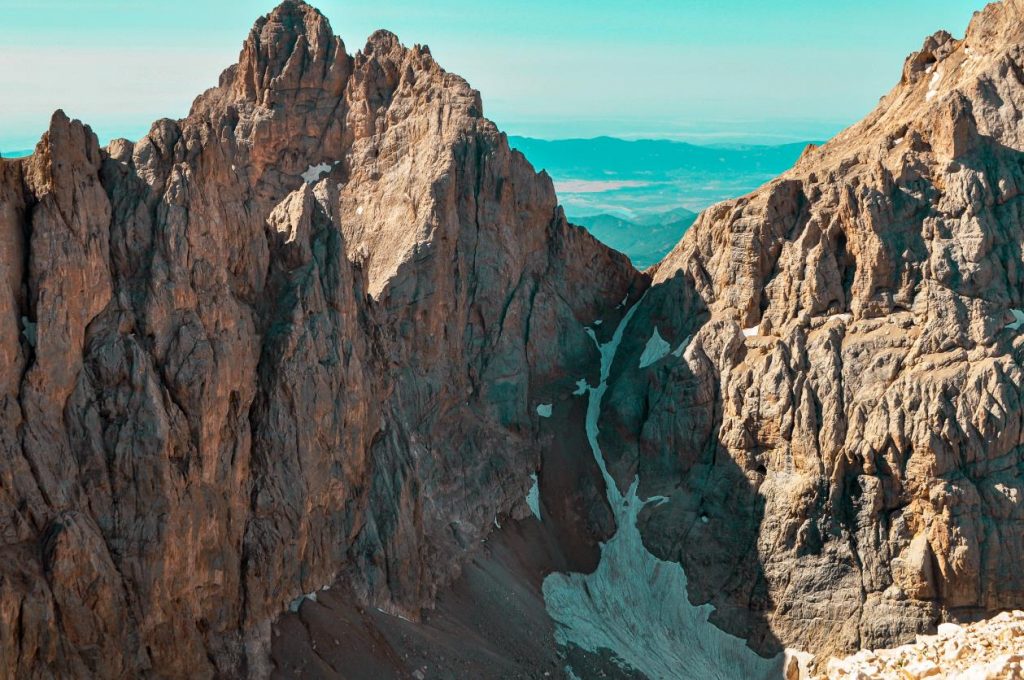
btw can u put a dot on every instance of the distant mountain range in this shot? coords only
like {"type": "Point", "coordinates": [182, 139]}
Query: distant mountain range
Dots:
{"type": "Point", "coordinates": [646, 239]}
{"type": "Point", "coordinates": [640, 196]}
{"type": "Point", "coordinates": [603, 157]}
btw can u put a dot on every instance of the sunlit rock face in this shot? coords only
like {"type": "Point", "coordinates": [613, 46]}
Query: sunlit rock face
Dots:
{"type": "Point", "coordinates": [990, 648]}
{"type": "Point", "coordinates": [841, 439]}
{"type": "Point", "coordinates": [295, 338]}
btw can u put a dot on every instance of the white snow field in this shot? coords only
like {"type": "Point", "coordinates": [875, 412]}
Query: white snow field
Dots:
{"type": "Point", "coordinates": [313, 172]}
{"type": "Point", "coordinates": [634, 604]}
{"type": "Point", "coordinates": [657, 348]}
{"type": "Point", "coordinates": [533, 496]}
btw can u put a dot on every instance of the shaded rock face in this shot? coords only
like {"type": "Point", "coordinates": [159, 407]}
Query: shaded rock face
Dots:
{"type": "Point", "coordinates": [840, 430]}
{"type": "Point", "coordinates": [295, 338]}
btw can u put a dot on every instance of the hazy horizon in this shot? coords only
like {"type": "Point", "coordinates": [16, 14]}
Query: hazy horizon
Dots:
{"type": "Point", "coordinates": [725, 72]}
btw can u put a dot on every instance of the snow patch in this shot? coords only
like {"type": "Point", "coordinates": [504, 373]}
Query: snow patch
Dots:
{"type": "Point", "coordinates": [751, 332]}
{"type": "Point", "coordinates": [395, 615]}
{"type": "Point", "coordinates": [599, 322]}
{"type": "Point", "coordinates": [634, 604]}
{"type": "Point", "coordinates": [581, 387]}
{"type": "Point", "coordinates": [294, 605]}
{"type": "Point", "coordinates": [314, 172]}
{"type": "Point", "coordinates": [655, 350]}
{"type": "Point", "coordinates": [533, 496]}
{"type": "Point", "coordinates": [544, 410]}
{"type": "Point", "coordinates": [678, 351]}
{"type": "Point", "coordinates": [897, 141]}
{"type": "Point", "coordinates": [1018, 320]}
{"type": "Point", "coordinates": [30, 330]}
{"type": "Point", "coordinates": [933, 85]}
{"type": "Point", "coordinates": [359, 210]}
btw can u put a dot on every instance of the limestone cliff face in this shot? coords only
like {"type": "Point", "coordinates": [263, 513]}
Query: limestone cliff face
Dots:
{"type": "Point", "coordinates": [839, 424]}
{"type": "Point", "coordinates": [297, 337]}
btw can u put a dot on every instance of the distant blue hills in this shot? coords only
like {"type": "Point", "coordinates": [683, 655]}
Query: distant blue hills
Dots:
{"type": "Point", "coordinates": [646, 240]}
{"type": "Point", "coordinates": [646, 157]}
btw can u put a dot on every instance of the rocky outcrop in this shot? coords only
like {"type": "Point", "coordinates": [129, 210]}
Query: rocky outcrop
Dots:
{"type": "Point", "coordinates": [825, 379]}
{"type": "Point", "coordinates": [986, 650]}
{"type": "Point", "coordinates": [298, 337]}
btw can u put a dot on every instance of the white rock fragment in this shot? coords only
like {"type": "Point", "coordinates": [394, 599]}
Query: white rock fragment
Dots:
{"type": "Point", "coordinates": [314, 172]}
{"type": "Point", "coordinates": [657, 348]}
{"type": "Point", "coordinates": [920, 669]}
{"type": "Point", "coordinates": [949, 630]}
{"type": "Point", "coordinates": [544, 410]}
{"type": "Point", "coordinates": [359, 210]}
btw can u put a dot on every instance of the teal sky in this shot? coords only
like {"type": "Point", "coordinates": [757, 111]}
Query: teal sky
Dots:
{"type": "Point", "coordinates": [700, 70]}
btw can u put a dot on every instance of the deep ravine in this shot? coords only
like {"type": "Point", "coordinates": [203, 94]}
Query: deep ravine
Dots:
{"type": "Point", "coordinates": [635, 604]}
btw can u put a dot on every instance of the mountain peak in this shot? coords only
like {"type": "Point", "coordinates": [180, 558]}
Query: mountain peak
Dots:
{"type": "Point", "coordinates": [381, 41]}
{"type": "Point", "coordinates": [293, 46]}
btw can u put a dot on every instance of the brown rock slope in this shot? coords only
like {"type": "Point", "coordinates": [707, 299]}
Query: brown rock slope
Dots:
{"type": "Point", "coordinates": [295, 338]}
{"type": "Point", "coordinates": [839, 423]}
